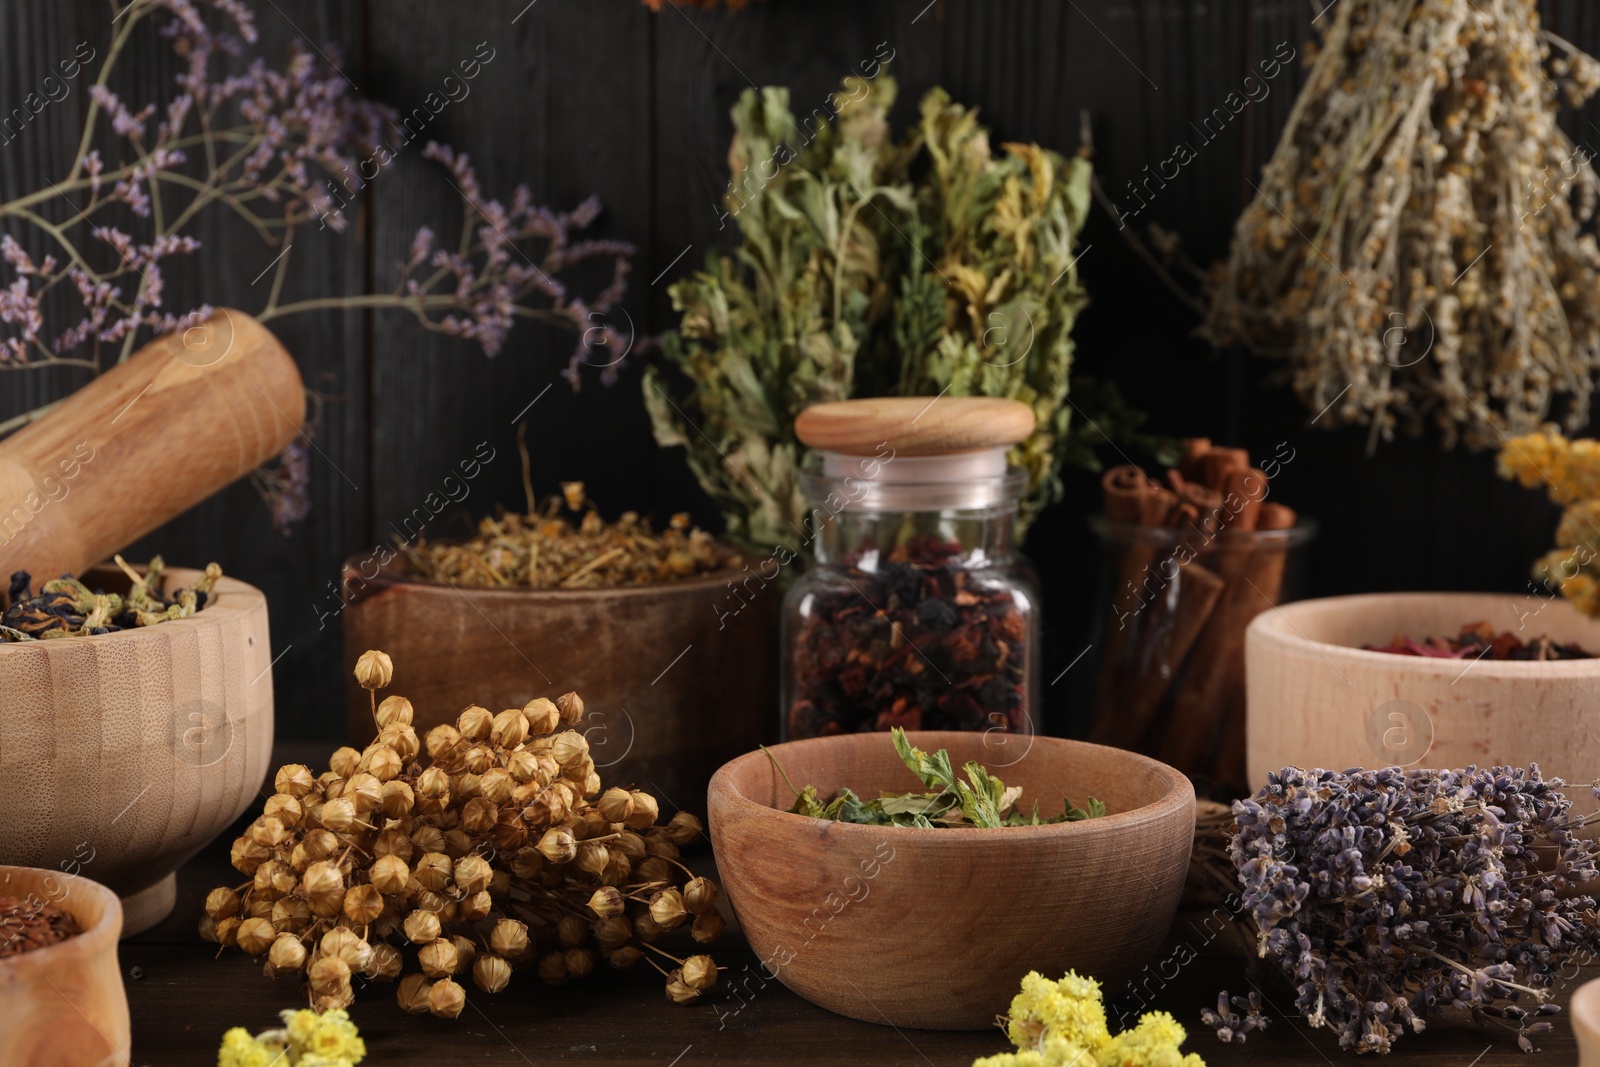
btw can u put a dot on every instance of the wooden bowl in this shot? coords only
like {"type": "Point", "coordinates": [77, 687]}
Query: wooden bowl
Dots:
{"type": "Point", "coordinates": [672, 689]}
{"type": "Point", "coordinates": [936, 928]}
{"type": "Point", "coordinates": [1585, 1012]}
{"type": "Point", "coordinates": [63, 1005]}
{"type": "Point", "coordinates": [1316, 699]}
{"type": "Point", "coordinates": [122, 755]}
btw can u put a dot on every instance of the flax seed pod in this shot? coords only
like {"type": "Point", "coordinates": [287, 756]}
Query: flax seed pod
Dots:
{"type": "Point", "coordinates": [465, 952]}
{"type": "Point", "coordinates": [433, 871]}
{"type": "Point", "coordinates": [527, 863]}
{"type": "Point", "coordinates": [365, 791]}
{"type": "Point", "coordinates": [222, 903]}
{"type": "Point", "coordinates": [509, 729]}
{"type": "Point", "coordinates": [618, 870]}
{"type": "Point", "coordinates": [652, 870]}
{"type": "Point", "coordinates": [666, 908]}
{"type": "Point", "coordinates": [607, 901]}
{"type": "Point", "coordinates": [446, 998]}
{"type": "Point", "coordinates": [345, 944]}
{"type": "Point", "coordinates": [592, 858]}
{"type": "Point", "coordinates": [403, 739]}
{"type": "Point", "coordinates": [385, 964]}
{"type": "Point", "coordinates": [291, 914]}
{"type": "Point", "coordinates": [412, 993]}
{"type": "Point", "coordinates": [569, 748]}
{"type": "Point", "coordinates": [495, 785]}
{"type": "Point", "coordinates": [630, 845]}
{"type": "Point", "coordinates": [543, 716]}
{"type": "Point", "coordinates": [394, 710]}
{"type": "Point", "coordinates": [458, 843]}
{"type": "Point", "coordinates": [345, 761]}
{"type": "Point", "coordinates": [287, 954]}
{"type": "Point", "coordinates": [398, 800]}
{"type": "Point", "coordinates": [700, 895]}
{"type": "Point", "coordinates": [580, 962]}
{"type": "Point", "coordinates": [625, 957]}
{"type": "Point", "coordinates": [708, 927]}
{"type": "Point", "coordinates": [522, 765]}
{"type": "Point", "coordinates": [340, 815]}
{"type": "Point", "coordinates": [472, 873]}
{"type": "Point", "coordinates": [374, 669]}
{"type": "Point", "coordinates": [612, 933]}
{"type": "Point", "coordinates": [510, 832]}
{"type": "Point", "coordinates": [324, 888]}
{"type": "Point", "coordinates": [646, 928]}
{"type": "Point", "coordinates": [294, 779]}
{"type": "Point", "coordinates": [427, 839]}
{"type": "Point", "coordinates": [247, 855]}
{"type": "Point", "coordinates": [268, 831]}
{"type": "Point", "coordinates": [363, 904]}
{"type": "Point", "coordinates": [571, 707]}
{"type": "Point", "coordinates": [571, 931]}
{"type": "Point", "coordinates": [661, 845]}
{"type": "Point", "coordinates": [491, 973]}
{"type": "Point", "coordinates": [645, 811]}
{"type": "Point", "coordinates": [328, 975]}
{"type": "Point", "coordinates": [320, 844]}
{"type": "Point", "coordinates": [421, 927]}
{"type": "Point", "coordinates": [699, 973]}
{"type": "Point", "coordinates": [438, 958]}
{"type": "Point", "coordinates": [475, 723]}
{"type": "Point", "coordinates": [475, 906]}
{"type": "Point", "coordinates": [285, 808]}
{"type": "Point", "coordinates": [684, 829]}
{"type": "Point", "coordinates": [558, 845]}
{"type": "Point", "coordinates": [479, 815]}
{"type": "Point", "coordinates": [615, 805]}
{"type": "Point", "coordinates": [382, 762]}
{"type": "Point", "coordinates": [393, 843]}
{"type": "Point", "coordinates": [255, 936]}
{"type": "Point", "coordinates": [509, 938]}
{"type": "Point", "coordinates": [442, 742]}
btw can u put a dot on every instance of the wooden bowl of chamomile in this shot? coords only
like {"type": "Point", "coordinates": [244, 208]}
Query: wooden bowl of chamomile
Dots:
{"type": "Point", "coordinates": [123, 754]}
{"type": "Point", "coordinates": [63, 1005]}
{"type": "Point", "coordinates": [935, 928]}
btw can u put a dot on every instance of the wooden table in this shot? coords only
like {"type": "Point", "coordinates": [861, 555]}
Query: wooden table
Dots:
{"type": "Point", "coordinates": [183, 996]}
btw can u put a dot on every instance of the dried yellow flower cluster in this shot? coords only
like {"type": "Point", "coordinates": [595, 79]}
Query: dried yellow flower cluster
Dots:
{"type": "Point", "coordinates": [543, 550]}
{"type": "Point", "coordinates": [495, 851]}
{"type": "Point", "coordinates": [1063, 1024]}
{"type": "Point", "coordinates": [1570, 472]}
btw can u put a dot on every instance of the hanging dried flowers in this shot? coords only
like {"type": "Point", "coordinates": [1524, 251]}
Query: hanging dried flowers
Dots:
{"type": "Point", "coordinates": [1388, 896]}
{"type": "Point", "coordinates": [1570, 473]}
{"type": "Point", "coordinates": [494, 852]}
{"type": "Point", "coordinates": [1421, 246]}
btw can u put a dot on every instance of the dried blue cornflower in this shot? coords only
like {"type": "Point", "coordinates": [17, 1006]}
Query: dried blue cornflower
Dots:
{"type": "Point", "coordinates": [1386, 897]}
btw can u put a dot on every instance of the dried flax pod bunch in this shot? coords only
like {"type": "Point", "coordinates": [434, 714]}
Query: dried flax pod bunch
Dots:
{"type": "Point", "coordinates": [1422, 244]}
{"type": "Point", "coordinates": [482, 849]}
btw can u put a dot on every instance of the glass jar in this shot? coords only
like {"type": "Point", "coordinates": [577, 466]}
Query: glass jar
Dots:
{"type": "Point", "coordinates": [919, 612]}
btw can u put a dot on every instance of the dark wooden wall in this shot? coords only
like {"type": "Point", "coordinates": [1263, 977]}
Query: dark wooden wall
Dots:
{"type": "Point", "coordinates": [602, 96]}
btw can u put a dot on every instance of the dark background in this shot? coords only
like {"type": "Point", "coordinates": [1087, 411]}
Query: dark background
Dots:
{"type": "Point", "coordinates": [602, 96]}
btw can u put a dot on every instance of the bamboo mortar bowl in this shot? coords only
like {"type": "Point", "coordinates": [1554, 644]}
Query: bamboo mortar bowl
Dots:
{"type": "Point", "coordinates": [936, 928]}
{"type": "Point", "coordinates": [1317, 699]}
{"type": "Point", "coordinates": [64, 1005]}
{"type": "Point", "coordinates": [122, 755]}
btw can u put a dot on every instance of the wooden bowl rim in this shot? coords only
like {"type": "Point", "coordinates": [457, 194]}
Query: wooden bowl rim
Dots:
{"type": "Point", "coordinates": [386, 577]}
{"type": "Point", "coordinates": [234, 597]}
{"type": "Point", "coordinates": [1280, 628]}
{"type": "Point", "coordinates": [95, 939]}
{"type": "Point", "coordinates": [1179, 794]}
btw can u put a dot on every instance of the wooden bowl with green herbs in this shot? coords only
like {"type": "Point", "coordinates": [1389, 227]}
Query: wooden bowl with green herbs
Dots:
{"type": "Point", "coordinates": [934, 927]}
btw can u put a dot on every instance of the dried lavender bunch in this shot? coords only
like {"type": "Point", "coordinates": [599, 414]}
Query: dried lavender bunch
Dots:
{"type": "Point", "coordinates": [1385, 896]}
{"type": "Point", "coordinates": [1422, 243]}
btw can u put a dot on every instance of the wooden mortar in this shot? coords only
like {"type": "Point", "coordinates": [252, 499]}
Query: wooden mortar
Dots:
{"type": "Point", "coordinates": [672, 689]}
{"type": "Point", "coordinates": [64, 1005]}
{"type": "Point", "coordinates": [126, 753]}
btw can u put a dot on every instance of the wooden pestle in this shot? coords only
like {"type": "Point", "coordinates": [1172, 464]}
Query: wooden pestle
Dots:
{"type": "Point", "coordinates": [180, 419]}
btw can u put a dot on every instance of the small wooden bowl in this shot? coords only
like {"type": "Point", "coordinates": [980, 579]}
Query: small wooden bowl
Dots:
{"type": "Point", "coordinates": [63, 1005]}
{"type": "Point", "coordinates": [675, 678]}
{"type": "Point", "coordinates": [1585, 1013]}
{"type": "Point", "coordinates": [936, 928]}
{"type": "Point", "coordinates": [1316, 698]}
{"type": "Point", "coordinates": [122, 755]}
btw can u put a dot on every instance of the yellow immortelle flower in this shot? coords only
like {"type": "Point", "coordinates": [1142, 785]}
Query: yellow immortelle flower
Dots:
{"type": "Point", "coordinates": [1063, 1024]}
{"type": "Point", "coordinates": [307, 1040]}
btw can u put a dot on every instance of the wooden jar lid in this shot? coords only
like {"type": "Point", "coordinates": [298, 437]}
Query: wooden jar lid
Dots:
{"type": "Point", "coordinates": [915, 425]}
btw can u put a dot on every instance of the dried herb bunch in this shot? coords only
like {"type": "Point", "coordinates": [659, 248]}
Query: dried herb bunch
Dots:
{"type": "Point", "coordinates": [1422, 244]}
{"type": "Point", "coordinates": [65, 607]}
{"type": "Point", "coordinates": [545, 549]}
{"type": "Point", "coordinates": [1570, 472]}
{"type": "Point", "coordinates": [1388, 896]}
{"type": "Point", "coordinates": [982, 801]}
{"type": "Point", "coordinates": [494, 852]}
{"type": "Point", "coordinates": [871, 266]}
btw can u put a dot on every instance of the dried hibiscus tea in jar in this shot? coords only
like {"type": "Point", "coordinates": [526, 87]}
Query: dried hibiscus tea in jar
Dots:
{"type": "Point", "coordinates": [918, 613]}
